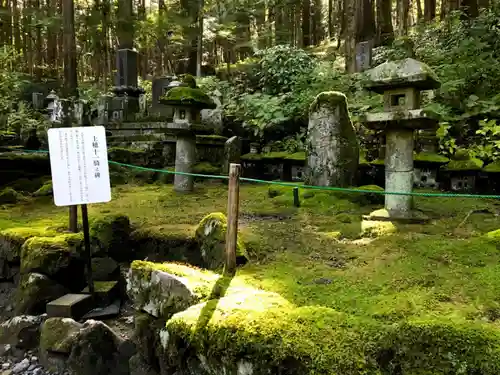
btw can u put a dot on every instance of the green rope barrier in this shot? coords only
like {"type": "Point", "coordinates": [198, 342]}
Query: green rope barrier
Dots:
{"type": "Point", "coordinates": [292, 185]}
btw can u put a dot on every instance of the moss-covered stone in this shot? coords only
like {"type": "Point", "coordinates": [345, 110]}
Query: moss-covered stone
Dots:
{"type": "Point", "coordinates": [211, 238]}
{"type": "Point", "coordinates": [34, 292]}
{"type": "Point", "coordinates": [58, 257]}
{"type": "Point", "coordinates": [27, 185]}
{"type": "Point", "coordinates": [331, 99]}
{"type": "Point", "coordinates": [267, 334]}
{"type": "Point", "coordinates": [492, 167]}
{"type": "Point", "coordinates": [58, 335]}
{"type": "Point", "coordinates": [105, 269]}
{"type": "Point", "coordinates": [368, 198]}
{"type": "Point", "coordinates": [161, 293]}
{"type": "Point", "coordinates": [164, 242]}
{"type": "Point", "coordinates": [206, 168]}
{"type": "Point", "coordinates": [110, 236]}
{"type": "Point", "coordinates": [251, 157]}
{"type": "Point", "coordinates": [45, 191]}
{"type": "Point", "coordinates": [297, 156]}
{"type": "Point", "coordinates": [430, 157]}
{"type": "Point", "coordinates": [10, 196]}
{"type": "Point", "coordinates": [189, 80]}
{"type": "Point", "coordinates": [373, 228]}
{"type": "Point", "coordinates": [11, 241]}
{"type": "Point", "coordinates": [146, 337]}
{"type": "Point", "coordinates": [472, 164]}
{"type": "Point", "coordinates": [189, 97]}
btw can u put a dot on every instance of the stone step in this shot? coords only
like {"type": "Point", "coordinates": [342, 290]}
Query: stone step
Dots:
{"type": "Point", "coordinates": [105, 292]}
{"type": "Point", "coordinates": [70, 305]}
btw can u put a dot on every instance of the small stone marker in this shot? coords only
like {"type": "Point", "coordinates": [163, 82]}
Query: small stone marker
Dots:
{"type": "Point", "coordinates": [332, 144]}
{"type": "Point", "coordinates": [364, 55]}
{"type": "Point", "coordinates": [70, 306]}
{"type": "Point", "coordinates": [232, 153]}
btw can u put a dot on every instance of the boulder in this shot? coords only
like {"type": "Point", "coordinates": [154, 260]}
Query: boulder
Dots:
{"type": "Point", "coordinates": [157, 292]}
{"type": "Point", "coordinates": [22, 331]}
{"type": "Point", "coordinates": [138, 366]}
{"type": "Point", "coordinates": [58, 336]}
{"type": "Point", "coordinates": [10, 196]}
{"type": "Point", "coordinates": [211, 238]}
{"type": "Point", "coordinates": [11, 241]}
{"type": "Point", "coordinates": [91, 348]}
{"type": "Point", "coordinates": [146, 336]}
{"type": "Point", "coordinates": [97, 350]}
{"type": "Point", "coordinates": [332, 145]}
{"type": "Point", "coordinates": [34, 292]}
{"type": "Point", "coordinates": [105, 269]}
{"type": "Point", "coordinates": [110, 237]}
{"type": "Point", "coordinates": [45, 191]}
{"type": "Point", "coordinates": [58, 257]}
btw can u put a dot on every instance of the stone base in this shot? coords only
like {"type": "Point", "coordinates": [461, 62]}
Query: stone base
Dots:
{"type": "Point", "coordinates": [70, 306]}
{"type": "Point", "coordinates": [413, 217]}
{"type": "Point", "coordinates": [105, 292]}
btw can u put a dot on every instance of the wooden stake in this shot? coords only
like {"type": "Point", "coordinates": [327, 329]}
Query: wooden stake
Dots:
{"type": "Point", "coordinates": [233, 205]}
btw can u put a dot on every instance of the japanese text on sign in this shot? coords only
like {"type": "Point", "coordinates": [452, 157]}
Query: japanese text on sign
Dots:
{"type": "Point", "coordinates": [79, 164]}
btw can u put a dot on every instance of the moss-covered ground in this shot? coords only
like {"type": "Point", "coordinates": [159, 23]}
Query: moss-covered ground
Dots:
{"type": "Point", "coordinates": [314, 255]}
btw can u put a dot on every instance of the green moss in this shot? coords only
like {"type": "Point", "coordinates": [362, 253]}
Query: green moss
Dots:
{"type": "Point", "coordinates": [371, 228]}
{"type": "Point", "coordinates": [11, 240]}
{"type": "Point", "coordinates": [377, 162]}
{"type": "Point", "coordinates": [189, 80]}
{"type": "Point", "coordinates": [187, 96]}
{"type": "Point", "coordinates": [34, 292]}
{"type": "Point", "coordinates": [430, 157]}
{"type": "Point", "coordinates": [26, 185]}
{"type": "Point", "coordinates": [10, 196]}
{"type": "Point", "coordinates": [492, 167]}
{"type": "Point", "coordinates": [362, 158]}
{"type": "Point", "coordinates": [173, 242]}
{"type": "Point", "coordinates": [298, 156]}
{"type": "Point", "coordinates": [102, 286]}
{"type": "Point", "coordinates": [251, 157]}
{"type": "Point", "coordinates": [49, 255]}
{"type": "Point", "coordinates": [211, 238]}
{"type": "Point", "coordinates": [278, 155]}
{"type": "Point", "coordinates": [206, 168]}
{"type": "Point", "coordinates": [45, 191]}
{"type": "Point", "coordinates": [58, 335]}
{"type": "Point", "coordinates": [494, 235]}
{"type": "Point", "coordinates": [331, 99]}
{"type": "Point", "coordinates": [464, 165]}
{"type": "Point", "coordinates": [110, 234]}
{"type": "Point", "coordinates": [197, 280]}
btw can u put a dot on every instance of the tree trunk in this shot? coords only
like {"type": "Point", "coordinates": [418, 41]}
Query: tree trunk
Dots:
{"type": "Point", "coordinates": [8, 23]}
{"type": "Point", "coordinates": [420, 14]}
{"type": "Point", "coordinates": [349, 28]}
{"type": "Point", "coordinates": [38, 43]}
{"type": "Point", "coordinates": [306, 23]}
{"type": "Point", "coordinates": [470, 8]}
{"type": "Point", "coordinates": [403, 8]}
{"type": "Point", "coordinates": [28, 42]}
{"type": "Point", "coordinates": [17, 26]}
{"type": "Point", "coordinates": [52, 37]}
{"type": "Point", "coordinates": [69, 49]}
{"type": "Point", "coordinates": [199, 52]}
{"type": "Point", "coordinates": [317, 20]}
{"type": "Point", "coordinates": [160, 56]}
{"type": "Point", "coordinates": [125, 24]}
{"type": "Point", "coordinates": [330, 20]}
{"type": "Point", "coordinates": [385, 30]}
{"type": "Point", "coordinates": [365, 21]}
{"type": "Point", "coordinates": [105, 43]}
{"type": "Point", "coordinates": [429, 10]}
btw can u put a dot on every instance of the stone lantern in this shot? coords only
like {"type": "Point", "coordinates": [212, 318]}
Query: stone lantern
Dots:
{"type": "Point", "coordinates": [187, 103]}
{"type": "Point", "coordinates": [401, 83]}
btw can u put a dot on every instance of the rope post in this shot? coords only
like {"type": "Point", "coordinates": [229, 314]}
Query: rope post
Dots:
{"type": "Point", "coordinates": [296, 199]}
{"type": "Point", "coordinates": [233, 205]}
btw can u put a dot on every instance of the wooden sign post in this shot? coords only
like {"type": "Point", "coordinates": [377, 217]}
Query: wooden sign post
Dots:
{"type": "Point", "coordinates": [80, 174]}
{"type": "Point", "coordinates": [233, 204]}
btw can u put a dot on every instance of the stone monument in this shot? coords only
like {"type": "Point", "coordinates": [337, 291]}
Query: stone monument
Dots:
{"type": "Point", "coordinates": [187, 103]}
{"type": "Point", "coordinates": [232, 153]}
{"type": "Point", "coordinates": [332, 154]}
{"type": "Point", "coordinates": [401, 83]}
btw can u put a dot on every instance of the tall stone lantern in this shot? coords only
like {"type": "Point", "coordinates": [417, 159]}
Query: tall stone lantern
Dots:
{"type": "Point", "coordinates": [187, 103]}
{"type": "Point", "coordinates": [401, 83]}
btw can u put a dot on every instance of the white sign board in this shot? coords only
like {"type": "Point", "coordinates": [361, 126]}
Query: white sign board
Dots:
{"type": "Point", "coordinates": [79, 164]}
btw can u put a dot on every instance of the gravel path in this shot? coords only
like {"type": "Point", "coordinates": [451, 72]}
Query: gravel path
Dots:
{"type": "Point", "coordinates": [14, 365]}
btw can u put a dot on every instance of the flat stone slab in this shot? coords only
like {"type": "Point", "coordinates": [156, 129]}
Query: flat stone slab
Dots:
{"type": "Point", "coordinates": [104, 292]}
{"type": "Point", "coordinates": [70, 306]}
{"type": "Point", "coordinates": [104, 312]}
{"type": "Point", "coordinates": [416, 119]}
